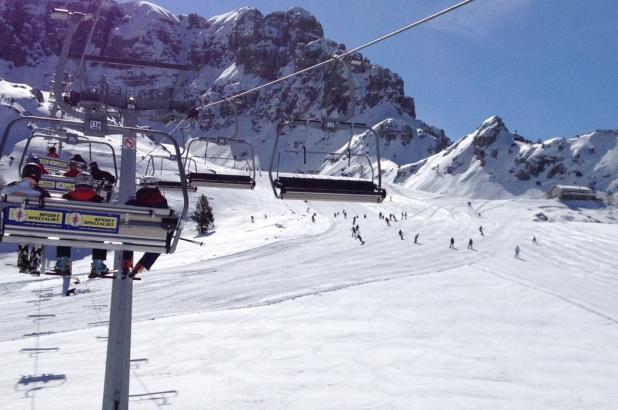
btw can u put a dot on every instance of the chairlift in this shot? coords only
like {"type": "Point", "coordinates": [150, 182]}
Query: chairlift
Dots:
{"type": "Point", "coordinates": [56, 182]}
{"type": "Point", "coordinates": [246, 180]}
{"type": "Point", "coordinates": [116, 227]}
{"type": "Point", "coordinates": [162, 184]}
{"type": "Point", "coordinates": [298, 186]}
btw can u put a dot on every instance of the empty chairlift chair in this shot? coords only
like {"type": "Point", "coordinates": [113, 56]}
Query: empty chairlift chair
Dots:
{"type": "Point", "coordinates": [318, 187]}
{"type": "Point", "coordinates": [228, 179]}
{"type": "Point", "coordinates": [163, 184]}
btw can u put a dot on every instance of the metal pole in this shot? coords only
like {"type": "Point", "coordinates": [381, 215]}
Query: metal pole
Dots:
{"type": "Point", "coordinates": [117, 366]}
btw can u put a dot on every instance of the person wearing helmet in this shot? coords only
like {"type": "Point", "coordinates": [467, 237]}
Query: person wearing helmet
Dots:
{"type": "Point", "coordinates": [100, 175]}
{"type": "Point", "coordinates": [73, 170]}
{"type": "Point", "coordinates": [27, 260]}
{"type": "Point", "coordinates": [151, 197]}
{"type": "Point", "coordinates": [51, 152]}
{"type": "Point", "coordinates": [80, 161]}
{"type": "Point", "coordinates": [85, 192]}
{"type": "Point", "coordinates": [35, 160]}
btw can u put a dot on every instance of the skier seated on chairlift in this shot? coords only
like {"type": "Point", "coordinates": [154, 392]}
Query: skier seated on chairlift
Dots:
{"type": "Point", "coordinates": [149, 197]}
{"type": "Point", "coordinates": [80, 161]}
{"type": "Point", "coordinates": [28, 261]}
{"type": "Point", "coordinates": [84, 192]}
{"type": "Point", "coordinates": [34, 159]}
{"type": "Point", "coordinates": [51, 152]}
{"type": "Point", "coordinates": [100, 175]}
{"type": "Point", "coordinates": [73, 170]}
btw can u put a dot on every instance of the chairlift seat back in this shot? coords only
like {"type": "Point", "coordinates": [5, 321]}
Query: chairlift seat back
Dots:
{"type": "Point", "coordinates": [221, 180]}
{"type": "Point", "coordinates": [329, 189]}
{"type": "Point", "coordinates": [171, 186]}
{"type": "Point", "coordinates": [57, 184]}
{"type": "Point", "coordinates": [54, 164]}
{"type": "Point", "coordinates": [87, 225]}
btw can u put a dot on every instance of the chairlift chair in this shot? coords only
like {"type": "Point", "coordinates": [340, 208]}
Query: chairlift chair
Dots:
{"type": "Point", "coordinates": [56, 182]}
{"type": "Point", "coordinates": [117, 227]}
{"type": "Point", "coordinates": [298, 186]}
{"type": "Point", "coordinates": [227, 179]}
{"type": "Point", "coordinates": [163, 185]}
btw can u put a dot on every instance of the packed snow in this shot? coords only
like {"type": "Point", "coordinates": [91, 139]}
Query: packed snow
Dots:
{"type": "Point", "coordinates": [285, 313]}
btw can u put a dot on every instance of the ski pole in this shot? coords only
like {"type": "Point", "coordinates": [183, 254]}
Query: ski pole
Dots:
{"type": "Point", "coordinates": [192, 241]}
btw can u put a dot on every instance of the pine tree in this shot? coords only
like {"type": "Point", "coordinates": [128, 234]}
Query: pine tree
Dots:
{"type": "Point", "coordinates": [202, 215]}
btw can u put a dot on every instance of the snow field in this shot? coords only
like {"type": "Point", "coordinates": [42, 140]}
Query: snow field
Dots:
{"type": "Point", "coordinates": [283, 313]}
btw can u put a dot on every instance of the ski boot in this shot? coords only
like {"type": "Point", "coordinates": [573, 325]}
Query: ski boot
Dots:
{"type": "Point", "coordinates": [63, 266]}
{"type": "Point", "coordinates": [34, 264]}
{"type": "Point", "coordinates": [22, 259]}
{"type": "Point", "coordinates": [139, 268]}
{"type": "Point", "coordinates": [98, 269]}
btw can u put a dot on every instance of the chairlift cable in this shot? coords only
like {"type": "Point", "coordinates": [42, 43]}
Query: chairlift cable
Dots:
{"type": "Point", "coordinates": [94, 24]}
{"type": "Point", "coordinates": [341, 56]}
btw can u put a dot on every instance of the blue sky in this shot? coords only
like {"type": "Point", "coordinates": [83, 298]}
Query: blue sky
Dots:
{"type": "Point", "coordinates": [547, 67]}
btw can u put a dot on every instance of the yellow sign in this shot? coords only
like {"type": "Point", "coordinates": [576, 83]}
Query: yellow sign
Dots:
{"type": "Point", "coordinates": [47, 184]}
{"type": "Point", "coordinates": [33, 216]}
{"type": "Point", "coordinates": [65, 186]}
{"type": "Point", "coordinates": [91, 221]}
{"type": "Point", "coordinates": [58, 164]}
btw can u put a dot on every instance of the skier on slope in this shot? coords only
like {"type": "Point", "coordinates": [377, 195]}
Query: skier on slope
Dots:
{"type": "Point", "coordinates": [481, 230]}
{"type": "Point", "coordinates": [534, 240]}
{"type": "Point", "coordinates": [149, 196]}
{"type": "Point", "coordinates": [452, 245]}
{"type": "Point", "coordinates": [517, 252]}
{"type": "Point", "coordinates": [84, 191]}
{"type": "Point", "coordinates": [470, 244]}
{"type": "Point", "coordinates": [401, 234]}
{"type": "Point", "coordinates": [27, 261]}
{"type": "Point", "coordinates": [416, 238]}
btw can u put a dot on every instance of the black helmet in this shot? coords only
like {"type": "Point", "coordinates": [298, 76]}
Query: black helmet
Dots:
{"type": "Point", "coordinates": [31, 170]}
{"type": "Point", "coordinates": [94, 165]}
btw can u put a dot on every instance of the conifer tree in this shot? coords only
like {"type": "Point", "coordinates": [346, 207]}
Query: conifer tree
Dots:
{"type": "Point", "coordinates": [202, 215]}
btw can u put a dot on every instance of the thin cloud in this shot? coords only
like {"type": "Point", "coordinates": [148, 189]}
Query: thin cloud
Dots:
{"type": "Point", "coordinates": [481, 17]}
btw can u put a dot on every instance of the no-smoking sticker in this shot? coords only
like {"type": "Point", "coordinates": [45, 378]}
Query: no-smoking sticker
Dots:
{"type": "Point", "coordinates": [129, 142]}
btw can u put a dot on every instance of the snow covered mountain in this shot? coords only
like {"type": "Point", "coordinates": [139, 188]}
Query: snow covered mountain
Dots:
{"type": "Point", "coordinates": [493, 162]}
{"type": "Point", "coordinates": [233, 52]}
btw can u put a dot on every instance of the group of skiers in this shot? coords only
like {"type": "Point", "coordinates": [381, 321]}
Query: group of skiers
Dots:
{"type": "Point", "coordinates": [29, 259]}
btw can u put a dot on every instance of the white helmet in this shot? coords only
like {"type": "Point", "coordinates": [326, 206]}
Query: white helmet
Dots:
{"type": "Point", "coordinates": [84, 179]}
{"type": "Point", "coordinates": [150, 182]}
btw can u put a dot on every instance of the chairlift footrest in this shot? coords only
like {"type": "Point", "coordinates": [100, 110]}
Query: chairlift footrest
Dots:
{"type": "Point", "coordinates": [54, 273]}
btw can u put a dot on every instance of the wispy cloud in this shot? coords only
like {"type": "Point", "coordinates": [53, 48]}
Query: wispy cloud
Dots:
{"type": "Point", "coordinates": [481, 17]}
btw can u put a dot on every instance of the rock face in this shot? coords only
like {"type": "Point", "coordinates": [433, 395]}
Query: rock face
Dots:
{"type": "Point", "coordinates": [493, 162]}
{"type": "Point", "coordinates": [233, 51]}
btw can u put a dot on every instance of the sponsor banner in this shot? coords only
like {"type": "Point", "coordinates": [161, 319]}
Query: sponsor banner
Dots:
{"type": "Point", "coordinates": [47, 184]}
{"type": "Point", "coordinates": [60, 219]}
{"type": "Point", "coordinates": [54, 163]}
{"type": "Point", "coordinates": [34, 217]}
{"type": "Point", "coordinates": [92, 222]}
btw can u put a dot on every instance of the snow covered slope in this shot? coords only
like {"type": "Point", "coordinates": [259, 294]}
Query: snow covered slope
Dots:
{"type": "Point", "coordinates": [492, 162]}
{"type": "Point", "coordinates": [285, 313]}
